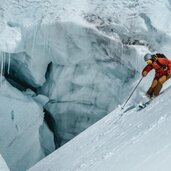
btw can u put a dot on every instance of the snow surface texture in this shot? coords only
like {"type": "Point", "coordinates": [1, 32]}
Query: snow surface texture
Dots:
{"type": "Point", "coordinates": [131, 141]}
{"type": "Point", "coordinates": [84, 56]}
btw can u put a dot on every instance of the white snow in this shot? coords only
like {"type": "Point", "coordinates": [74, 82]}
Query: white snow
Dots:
{"type": "Point", "coordinates": [10, 38]}
{"type": "Point", "coordinates": [3, 165]}
{"type": "Point", "coordinates": [135, 140]}
{"type": "Point", "coordinates": [82, 58]}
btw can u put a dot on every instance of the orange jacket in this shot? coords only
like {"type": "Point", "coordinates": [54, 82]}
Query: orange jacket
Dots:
{"type": "Point", "coordinates": [159, 70]}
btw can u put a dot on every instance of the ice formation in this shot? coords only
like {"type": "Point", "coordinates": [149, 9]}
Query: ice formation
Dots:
{"type": "Point", "coordinates": [76, 60]}
{"type": "Point", "coordinates": [21, 122]}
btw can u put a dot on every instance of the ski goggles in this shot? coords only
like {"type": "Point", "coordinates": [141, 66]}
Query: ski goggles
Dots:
{"type": "Point", "coordinates": [149, 61]}
{"type": "Point", "coordinates": [147, 57]}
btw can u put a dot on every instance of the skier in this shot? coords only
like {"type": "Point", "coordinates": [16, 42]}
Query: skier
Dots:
{"type": "Point", "coordinates": [162, 67]}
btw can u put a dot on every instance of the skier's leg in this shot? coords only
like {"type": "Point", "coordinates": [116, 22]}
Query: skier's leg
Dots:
{"type": "Point", "coordinates": [151, 89]}
{"type": "Point", "coordinates": [159, 85]}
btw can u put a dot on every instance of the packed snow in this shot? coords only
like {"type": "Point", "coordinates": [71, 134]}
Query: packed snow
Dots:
{"type": "Point", "coordinates": [132, 140]}
{"type": "Point", "coordinates": [3, 165]}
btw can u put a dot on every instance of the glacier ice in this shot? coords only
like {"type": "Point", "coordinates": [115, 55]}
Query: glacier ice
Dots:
{"type": "Point", "coordinates": [73, 67]}
{"type": "Point", "coordinates": [20, 122]}
{"type": "Point", "coordinates": [78, 96]}
{"type": "Point", "coordinates": [79, 59]}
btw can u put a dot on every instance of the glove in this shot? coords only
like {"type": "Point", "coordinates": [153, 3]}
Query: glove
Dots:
{"type": "Point", "coordinates": [144, 74]}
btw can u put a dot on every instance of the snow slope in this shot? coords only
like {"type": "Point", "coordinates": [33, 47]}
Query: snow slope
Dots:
{"type": "Point", "coordinates": [135, 140]}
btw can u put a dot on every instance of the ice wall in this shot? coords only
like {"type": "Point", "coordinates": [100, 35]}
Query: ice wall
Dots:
{"type": "Point", "coordinates": [74, 64]}
{"type": "Point", "coordinates": [83, 68]}
{"type": "Point", "coordinates": [84, 56]}
{"type": "Point", "coordinates": [20, 121]}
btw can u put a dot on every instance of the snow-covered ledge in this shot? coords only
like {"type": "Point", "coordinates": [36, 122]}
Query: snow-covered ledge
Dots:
{"type": "Point", "coordinates": [3, 165]}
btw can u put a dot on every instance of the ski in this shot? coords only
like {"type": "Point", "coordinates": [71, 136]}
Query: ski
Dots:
{"type": "Point", "coordinates": [129, 108]}
{"type": "Point", "coordinates": [143, 105]}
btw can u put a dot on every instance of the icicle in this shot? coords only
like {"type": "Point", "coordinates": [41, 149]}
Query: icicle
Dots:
{"type": "Point", "coordinates": [2, 63]}
{"type": "Point", "coordinates": [34, 41]}
{"type": "Point", "coordinates": [48, 37]}
{"type": "Point", "coordinates": [9, 62]}
{"type": "Point", "coordinates": [45, 42]}
{"type": "Point", "coordinates": [35, 36]}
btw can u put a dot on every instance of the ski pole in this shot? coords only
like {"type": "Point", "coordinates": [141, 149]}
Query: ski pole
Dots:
{"type": "Point", "coordinates": [132, 92]}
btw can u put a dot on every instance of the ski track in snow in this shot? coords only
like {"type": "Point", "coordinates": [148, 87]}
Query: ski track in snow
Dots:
{"type": "Point", "coordinates": [117, 131]}
{"type": "Point", "coordinates": [100, 144]}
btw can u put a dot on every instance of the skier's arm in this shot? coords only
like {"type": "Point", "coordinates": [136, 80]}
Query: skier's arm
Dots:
{"type": "Point", "coordinates": [169, 65]}
{"type": "Point", "coordinates": [167, 62]}
{"type": "Point", "coordinates": [169, 70]}
{"type": "Point", "coordinates": [146, 70]}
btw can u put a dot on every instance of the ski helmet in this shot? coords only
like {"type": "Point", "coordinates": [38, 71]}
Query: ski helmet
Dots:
{"type": "Point", "coordinates": [147, 57]}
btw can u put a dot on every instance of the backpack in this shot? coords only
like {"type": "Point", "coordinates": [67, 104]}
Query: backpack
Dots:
{"type": "Point", "coordinates": [160, 55]}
